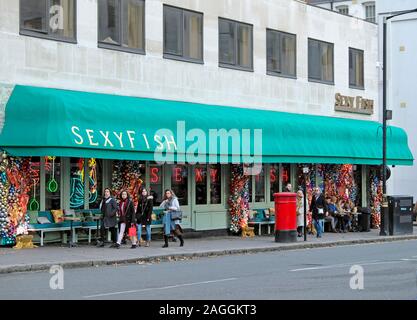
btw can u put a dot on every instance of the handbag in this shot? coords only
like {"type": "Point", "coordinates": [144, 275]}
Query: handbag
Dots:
{"type": "Point", "coordinates": [132, 231]}
{"type": "Point", "coordinates": [176, 215]}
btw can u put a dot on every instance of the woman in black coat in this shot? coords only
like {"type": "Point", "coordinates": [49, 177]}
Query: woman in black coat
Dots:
{"type": "Point", "coordinates": [144, 215]}
{"type": "Point", "coordinates": [126, 212]}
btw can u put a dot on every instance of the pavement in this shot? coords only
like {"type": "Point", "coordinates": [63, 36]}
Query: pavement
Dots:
{"type": "Point", "coordinates": [84, 255]}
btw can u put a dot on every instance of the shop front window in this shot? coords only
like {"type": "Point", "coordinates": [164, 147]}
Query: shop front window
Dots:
{"type": "Point", "coordinates": [129, 176]}
{"type": "Point", "coordinates": [179, 183]}
{"type": "Point", "coordinates": [274, 180]}
{"type": "Point", "coordinates": [34, 193]}
{"type": "Point", "coordinates": [52, 183]}
{"type": "Point", "coordinates": [155, 183]}
{"type": "Point", "coordinates": [215, 184]}
{"type": "Point", "coordinates": [285, 175]}
{"type": "Point", "coordinates": [95, 169]}
{"type": "Point", "coordinates": [77, 183]}
{"type": "Point", "coordinates": [200, 184]}
{"type": "Point", "coordinates": [260, 187]}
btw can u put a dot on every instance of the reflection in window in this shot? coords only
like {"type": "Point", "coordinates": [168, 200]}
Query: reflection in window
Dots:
{"type": "Point", "coordinates": [285, 175]}
{"type": "Point", "coordinates": [274, 180]}
{"type": "Point", "coordinates": [77, 183]}
{"type": "Point", "coordinates": [260, 186]}
{"type": "Point", "coordinates": [95, 169]}
{"type": "Point", "coordinates": [215, 184]}
{"type": "Point", "coordinates": [200, 172]}
{"type": "Point", "coordinates": [54, 18]}
{"type": "Point", "coordinates": [179, 183]}
{"type": "Point", "coordinates": [155, 184]}
{"type": "Point", "coordinates": [53, 179]}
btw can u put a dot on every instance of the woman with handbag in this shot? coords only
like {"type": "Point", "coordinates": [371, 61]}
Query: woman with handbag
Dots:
{"type": "Point", "coordinates": [172, 217]}
{"type": "Point", "coordinates": [144, 216]}
{"type": "Point", "coordinates": [126, 211]}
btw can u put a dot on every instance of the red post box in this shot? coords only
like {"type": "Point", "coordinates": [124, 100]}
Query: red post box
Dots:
{"type": "Point", "coordinates": [285, 217]}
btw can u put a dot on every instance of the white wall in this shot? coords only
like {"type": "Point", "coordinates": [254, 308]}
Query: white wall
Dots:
{"type": "Point", "coordinates": [401, 85]}
{"type": "Point", "coordinates": [83, 66]}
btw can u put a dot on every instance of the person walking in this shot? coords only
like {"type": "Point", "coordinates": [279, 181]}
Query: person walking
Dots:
{"type": "Point", "coordinates": [126, 211]}
{"type": "Point", "coordinates": [170, 205]}
{"type": "Point", "coordinates": [144, 216]}
{"type": "Point", "coordinates": [300, 212]}
{"type": "Point", "coordinates": [108, 207]}
{"type": "Point", "coordinates": [319, 209]}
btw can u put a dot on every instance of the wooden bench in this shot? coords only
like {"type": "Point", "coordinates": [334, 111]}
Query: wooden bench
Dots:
{"type": "Point", "coordinates": [261, 217]}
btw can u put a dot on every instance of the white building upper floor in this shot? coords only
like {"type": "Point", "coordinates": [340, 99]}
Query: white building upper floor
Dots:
{"type": "Point", "coordinates": [281, 55]}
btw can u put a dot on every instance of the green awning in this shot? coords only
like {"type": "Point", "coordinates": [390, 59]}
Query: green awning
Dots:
{"type": "Point", "coordinates": [53, 122]}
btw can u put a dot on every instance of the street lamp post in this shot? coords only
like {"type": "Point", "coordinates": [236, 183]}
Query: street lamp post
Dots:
{"type": "Point", "coordinates": [305, 172]}
{"type": "Point", "coordinates": [385, 112]}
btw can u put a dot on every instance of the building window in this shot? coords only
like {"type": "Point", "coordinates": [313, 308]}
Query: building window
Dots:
{"type": "Point", "coordinates": [53, 19]}
{"type": "Point", "coordinates": [183, 34]}
{"type": "Point", "coordinates": [53, 183]}
{"type": "Point", "coordinates": [285, 175]}
{"type": "Point", "coordinates": [274, 180]}
{"type": "Point", "coordinates": [179, 183]}
{"type": "Point", "coordinates": [156, 184]}
{"type": "Point", "coordinates": [235, 45]}
{"type": "Point", "coordinates": [281, 53]}
{"type": "Point", "coordinates": [320, 61]}
{"type": "Point", "coordinates": [200, 173]}
{"type": "Point", "coordinates": [356, 73]}
{"type": "Point", "coordinates": [215, 184]}
{"type": "Point", "coordinates": [370, 11]}
{"type": "Point", "coordinates": [343, 10]}
{"type": "Point", "coordinates": [122, 25]}
{"type": "Point", "coordinates": [260, 186]}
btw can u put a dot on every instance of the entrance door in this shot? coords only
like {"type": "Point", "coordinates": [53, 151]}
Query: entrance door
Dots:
{"type": "Point", "coordinates": [180, 184]}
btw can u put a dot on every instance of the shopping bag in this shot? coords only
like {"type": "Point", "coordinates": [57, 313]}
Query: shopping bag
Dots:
{"type": "Point", "coordinates": [132, 231]}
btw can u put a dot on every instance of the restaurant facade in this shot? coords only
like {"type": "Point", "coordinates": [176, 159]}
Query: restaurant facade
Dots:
{"type": "Point", "coordinates": [181, 95]}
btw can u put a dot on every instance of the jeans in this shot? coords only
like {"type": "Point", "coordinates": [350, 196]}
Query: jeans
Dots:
{"type": "Point", "coordinates": [319, 225]}
{"type": "Point", "coordinates": [332, 221]}
{"type": "Point", "coordinates": [148, 232]}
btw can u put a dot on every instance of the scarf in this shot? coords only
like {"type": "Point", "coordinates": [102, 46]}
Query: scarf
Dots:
{"type": "Point", "coordinates": [123, 206]}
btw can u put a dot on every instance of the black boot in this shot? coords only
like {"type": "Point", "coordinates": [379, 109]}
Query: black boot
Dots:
{"type": "Point", "coordinates": [166, 242]}
{"type": "Point", "coordinates": [181, 240]}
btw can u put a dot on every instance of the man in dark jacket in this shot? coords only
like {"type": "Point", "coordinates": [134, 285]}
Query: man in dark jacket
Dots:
{"type": "Point", "coordinates": [108, 207]}
{"type": "Point", "coordinates": [319, 209]}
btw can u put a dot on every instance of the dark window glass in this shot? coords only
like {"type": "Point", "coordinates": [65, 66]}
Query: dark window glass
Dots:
{"type": "Point", "coordinates": [281, 53]}
{"type": "Point", "coordinates": [122, 23]}
{"type": "Point", "coordinates": [183, 33]}
{"type": "Point", "coordinates": [52, 183]}
{"type": "Point", "coordinates": [320, 61]}
{"type": "Point", "coordinates": [274, 180]}
{"type": "Point", "coordinates": [95, 171]}
{"type": "Point", "coordinates": [77, 184]}
{"type": "Point", "coordinates": [200, 173]}
{"type": "Point", "coordinates": [260, 186]}
{"type": "Point", "coordinates": [215, 184]}
{"type": "Point", "coordinates": [235, 44]}
{"type": "Point", "coordinates": [50, 18]}
{"type": "Point", "coordinates": [285, 174]}
{"type": "Point", "coordinates": [356, 68]}
{"type": "Point", "coordinates": [156, 183]}
{"type": "Point", "coordinates": [179, 183]}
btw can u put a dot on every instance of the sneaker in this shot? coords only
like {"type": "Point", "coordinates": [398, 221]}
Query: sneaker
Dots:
{"type": "Point", "coordinates": [133, 246]}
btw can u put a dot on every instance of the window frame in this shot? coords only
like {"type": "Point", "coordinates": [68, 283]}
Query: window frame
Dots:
{"type": "Point", "coordinates": [276, 73]}
{"type": "Point", "coordinates": [119, 47]}
{"type": "Point", "coordinates": [47, 35]}
{"type": "Point", "coordinates": [354, 86]}
{"type": "Point", "coordinates": [368, 5]}
{"type": "Point", "coordinates": [310, 79]}
{"type": "Point", "coordinates": [343, 8]}
{"type": "Point", "coordinates": [181, 57]}
{"type": "Point", "coordinates": [236, 66]}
